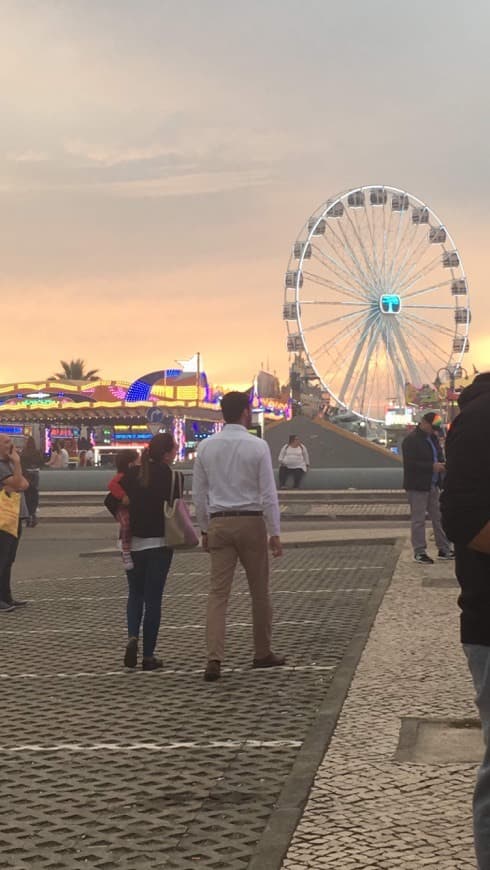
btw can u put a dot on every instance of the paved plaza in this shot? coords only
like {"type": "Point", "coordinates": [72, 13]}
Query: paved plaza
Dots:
{"type": "Point", "coordinates": [301, 509]}
{"type": "Point", "coordinates": [102, 768]}
{"type": "Point", "coordinates": [105, 769]}
{"type": "Point", "coordinates": [369, 808]}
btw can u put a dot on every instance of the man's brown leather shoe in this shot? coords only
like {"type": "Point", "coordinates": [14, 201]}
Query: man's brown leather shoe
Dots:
{"type": "Point", "coordinates": [270, 661]}
{"type": "Point", "coordinates": [213, 671]}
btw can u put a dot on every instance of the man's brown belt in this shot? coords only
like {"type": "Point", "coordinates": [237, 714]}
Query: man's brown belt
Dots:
{"type": "Point", "coordinates": [236, 514]}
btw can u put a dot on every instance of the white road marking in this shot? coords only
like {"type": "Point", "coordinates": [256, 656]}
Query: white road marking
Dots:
{"type": "Point", "coordinates": [153, 747]}
{"type": "Point", "coordinates": [164, 672]}
{"type": "Point", "coordinates": [66, 579]}
{"type": "Point", "coordinates": [322, 570]}
{"type": "Point", "coordinates": [166, 627]}
{"type": "Point", "coordinates": [122, 576]}
{"type": "Point", "coordinates": [324, 591]}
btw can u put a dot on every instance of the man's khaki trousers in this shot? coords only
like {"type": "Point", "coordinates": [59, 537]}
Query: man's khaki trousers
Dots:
{"type": "Point", "coordinates": [245, 539]}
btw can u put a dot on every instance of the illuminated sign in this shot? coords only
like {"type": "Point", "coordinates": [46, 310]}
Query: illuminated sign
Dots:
{"type": "Point", "coordinates": [399, 417]}
{"type": "Point", "coordinates": [134, 432]}
{"type": "Point", "coordinates": [64, 431]}
{"type": "Point", "coordinates": [12, 430]}
{"type": "Point", "coordinates": [390, 303]}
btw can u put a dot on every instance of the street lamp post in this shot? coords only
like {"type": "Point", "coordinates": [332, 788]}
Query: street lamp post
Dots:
{"type": "Point", "coordinates": [453, 371]}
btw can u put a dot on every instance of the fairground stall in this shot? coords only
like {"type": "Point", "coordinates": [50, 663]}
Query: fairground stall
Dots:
{"type": "Point", "coordinates": [107, 416]}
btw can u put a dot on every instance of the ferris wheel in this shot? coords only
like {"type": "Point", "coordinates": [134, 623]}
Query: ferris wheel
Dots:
{"type": "Point", "coordinates": [375, 296]}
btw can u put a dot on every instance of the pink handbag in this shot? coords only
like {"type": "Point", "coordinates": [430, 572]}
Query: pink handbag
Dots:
{"type": "Point", "coordinates": [179, 531]}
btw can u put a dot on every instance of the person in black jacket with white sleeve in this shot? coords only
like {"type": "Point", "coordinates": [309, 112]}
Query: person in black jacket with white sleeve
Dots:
{"type": "Point", "coordinates": [423, 467]}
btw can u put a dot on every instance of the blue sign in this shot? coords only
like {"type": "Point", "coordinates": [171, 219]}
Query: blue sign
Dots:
{"type": "Point", "coordinates": [11, 430]}
{"type": "Point", "coordinates": [390, 303]}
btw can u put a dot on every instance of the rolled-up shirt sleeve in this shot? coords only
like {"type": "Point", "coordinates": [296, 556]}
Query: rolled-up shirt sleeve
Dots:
{"type": "Point", "coordinates": [268, 492]}
{"type": "Point", "coordinates": [200, 490]}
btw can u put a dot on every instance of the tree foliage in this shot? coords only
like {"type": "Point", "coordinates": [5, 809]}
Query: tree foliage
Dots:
{"type": "Point", "coordinates": [75, 371]}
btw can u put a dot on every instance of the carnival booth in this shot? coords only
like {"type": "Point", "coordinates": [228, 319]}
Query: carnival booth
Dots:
{"type": "Point", "coordinates": [107, 416]}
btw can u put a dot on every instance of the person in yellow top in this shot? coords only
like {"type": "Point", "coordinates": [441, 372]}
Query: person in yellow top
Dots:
{"type": "Point", "coordinates": [11, 480]}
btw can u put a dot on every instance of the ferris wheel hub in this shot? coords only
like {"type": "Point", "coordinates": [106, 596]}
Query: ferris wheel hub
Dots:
{"type": "Point", "coordinates": [390, 303]}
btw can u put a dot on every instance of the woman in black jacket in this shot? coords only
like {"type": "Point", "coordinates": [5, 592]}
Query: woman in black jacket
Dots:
{"type": "Point", "coordinates": [148, 487]}
{"type": "Point", "coordinates": [31, 460]}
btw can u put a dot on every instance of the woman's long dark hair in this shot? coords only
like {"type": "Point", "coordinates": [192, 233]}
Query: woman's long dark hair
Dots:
{"type": "Point", "coordinates": [30, 451]}
{"type": "Point", "coordinates": [156, 450]}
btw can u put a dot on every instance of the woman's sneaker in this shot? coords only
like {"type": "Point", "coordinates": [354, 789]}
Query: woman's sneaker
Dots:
{"type": "Point", "coordinates": [442, 554]}
{"type": "Point", "coordinates": [5, 607]}
{"type": "Point", "coordinates": [131, 654]}
{"type": "Point", "coordinates": [424, 558]}
{"type": "Point", "coordinates": [152, 664]}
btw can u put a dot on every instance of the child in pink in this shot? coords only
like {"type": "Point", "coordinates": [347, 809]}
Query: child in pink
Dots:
{"type": "Point", "coordinates": [124, 460]}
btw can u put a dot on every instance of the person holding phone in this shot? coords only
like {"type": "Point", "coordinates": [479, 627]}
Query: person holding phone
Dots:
{"type": "Point", "coordinates": [11, 480]}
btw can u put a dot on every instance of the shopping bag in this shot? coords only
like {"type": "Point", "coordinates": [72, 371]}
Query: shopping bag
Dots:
{"type": "Point", "coordinates": [9, 512]}
{"type": "Point", "coordinates": [179, 531]}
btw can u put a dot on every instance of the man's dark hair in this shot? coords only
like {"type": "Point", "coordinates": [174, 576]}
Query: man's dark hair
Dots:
{"type": "Point", "coordinates": [233, 405]}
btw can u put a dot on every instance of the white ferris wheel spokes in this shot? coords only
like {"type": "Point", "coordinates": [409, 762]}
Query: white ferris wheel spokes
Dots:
{"type": "Point", "coordinates": [375, 296]}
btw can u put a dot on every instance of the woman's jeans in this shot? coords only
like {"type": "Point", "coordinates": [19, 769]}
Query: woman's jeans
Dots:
{"type": "Point", "coordinates": [146, 582]}
{"type": "Point", "coordinates": [32, 494]}
{"type": "Point", "coordinates": [284, 473]}
{"type": "Point", "coordinates": [479, 662]}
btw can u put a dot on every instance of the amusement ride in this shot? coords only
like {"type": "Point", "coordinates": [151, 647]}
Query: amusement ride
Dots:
{"type": "Point", "coordinates": [375, 297]}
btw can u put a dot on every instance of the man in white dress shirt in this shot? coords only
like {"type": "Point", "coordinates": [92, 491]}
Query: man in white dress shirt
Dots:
{"type": "Point", "coordinates": [237, 508]}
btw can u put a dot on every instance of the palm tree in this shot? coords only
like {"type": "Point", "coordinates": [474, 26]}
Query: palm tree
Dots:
{"type": "Point", "coordinates": [75, 371]}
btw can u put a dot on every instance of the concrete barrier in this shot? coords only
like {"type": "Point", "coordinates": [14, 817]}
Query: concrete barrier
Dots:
{"type": "Point", "coordinates": [96, 479]}
{"type": "Point", "coordinates": [353, 478]}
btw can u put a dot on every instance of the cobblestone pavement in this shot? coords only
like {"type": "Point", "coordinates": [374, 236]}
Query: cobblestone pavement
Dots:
{"type": "Point", "coordinates": [366, 810]}
{"type": "Point", "coordinates": [107, 769]}
{"type": "Point", "coordinates": [300, 509]}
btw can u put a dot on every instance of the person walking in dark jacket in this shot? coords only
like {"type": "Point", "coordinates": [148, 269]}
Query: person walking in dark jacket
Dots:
{"type": "Point", "coordinates": [423, 465]}
{"type": "Point", "coordinates": [465, 505]}
{"type": "Point", "coordinates": [31, 460]}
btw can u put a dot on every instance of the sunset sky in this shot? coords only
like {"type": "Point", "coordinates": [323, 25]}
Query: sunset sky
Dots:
{"type": "Point", "coordinates": [158, 159]}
